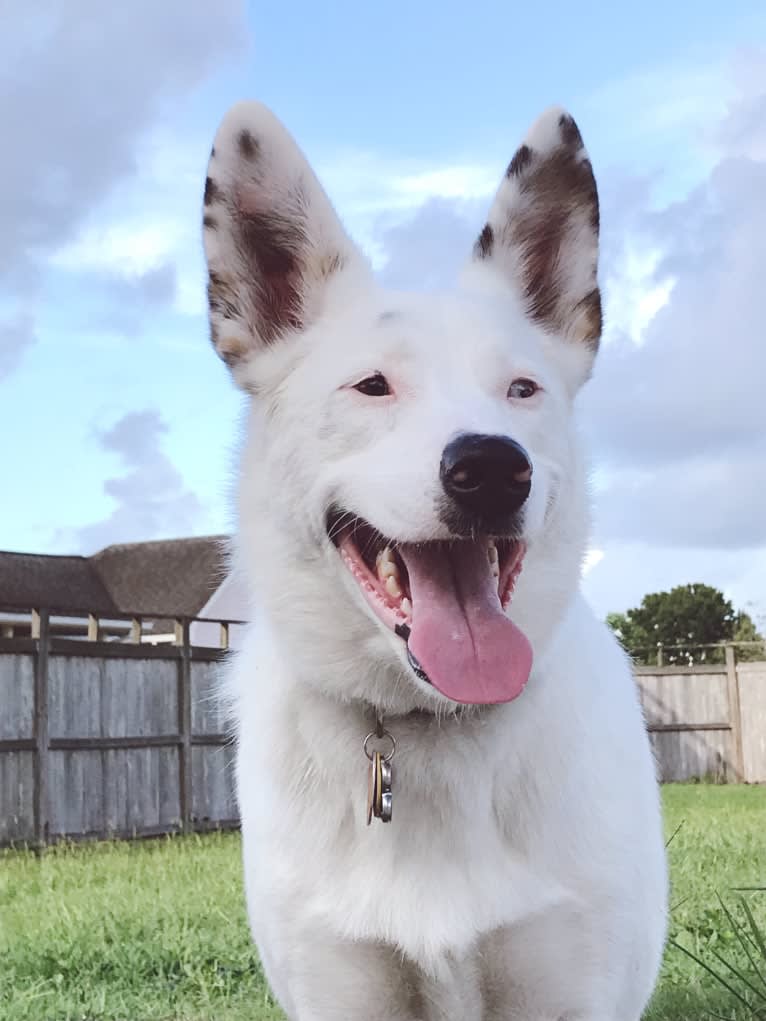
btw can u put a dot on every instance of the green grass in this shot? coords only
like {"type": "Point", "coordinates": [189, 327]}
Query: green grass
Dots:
{"type": "Point", "coordinates": [157, 930]}
{"type": "Point", "coordinates": [132, 931]}
{"type": "Point", "coordinates": [720, 846]}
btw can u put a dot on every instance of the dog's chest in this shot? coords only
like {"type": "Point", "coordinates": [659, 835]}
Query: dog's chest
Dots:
{"type": "Point", "coordinates": [453, 864]}
{"type": "Point", "coordinates": [444, 871]}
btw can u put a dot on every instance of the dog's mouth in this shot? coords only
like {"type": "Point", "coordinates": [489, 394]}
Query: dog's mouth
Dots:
{"type": "Point", "coordinates": [447, 601]}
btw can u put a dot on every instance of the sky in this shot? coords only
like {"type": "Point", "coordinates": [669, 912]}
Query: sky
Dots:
{"type": "Point", "coordinates": [118, 423]}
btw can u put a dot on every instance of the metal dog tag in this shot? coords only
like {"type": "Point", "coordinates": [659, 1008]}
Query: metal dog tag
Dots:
{"type": "Point", "coordinates": [384, 804]}
{"type": "Point", "coordinates": [379, 779]}
{"type": "Point", "coordinates": [370, 792]}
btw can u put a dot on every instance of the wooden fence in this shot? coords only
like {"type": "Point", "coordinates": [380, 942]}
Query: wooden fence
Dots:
{"type": "Point", "coordinates": [707, 720]}
{"type": "Point", "coordinates": [103, 734]}
{"type": "Point", "coordinates": [110, 736]}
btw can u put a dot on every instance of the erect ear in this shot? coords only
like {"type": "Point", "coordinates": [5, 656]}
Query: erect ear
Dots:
{"type": "Point", "coordinates": [273, 242]}
{"type": "Point", "coordinates": [542, 230]}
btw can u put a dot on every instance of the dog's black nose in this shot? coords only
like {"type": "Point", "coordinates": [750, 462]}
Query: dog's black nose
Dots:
{"type": "Point", "coordinates": [488, 477]}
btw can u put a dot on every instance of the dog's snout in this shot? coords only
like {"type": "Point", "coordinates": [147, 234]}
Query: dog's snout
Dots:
{"type": "Point", "coordinates": [488, 477]}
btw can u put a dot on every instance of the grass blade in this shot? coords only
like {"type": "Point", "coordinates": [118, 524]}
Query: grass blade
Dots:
{"type": "Point", "coordinates": [747, 945]}
{"type": "Point", "coordinates": [742, 978]}
{"type": "Point", "coordinates": [758, 936]}
{"type": "Point", "coordinates": [674, 834]}
{"type": "Point", "coordinates": [711, 971]}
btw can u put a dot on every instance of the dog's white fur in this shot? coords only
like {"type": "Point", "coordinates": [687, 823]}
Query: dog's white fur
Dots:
{"type": "Point", "coordinates": [523, 874]}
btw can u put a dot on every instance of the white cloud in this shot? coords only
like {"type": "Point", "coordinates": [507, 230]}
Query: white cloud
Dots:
{"type": "Point", "coordinates": [679, 421]}
{"type": "Point", "coordinates": [691, 395]}
{"type": "Point", "coordinates": [592, 559]}
{"type": "Point", "coordinates": [81, 84]}
{"type": "Point", "coordinates": [658, 101]}
{"type": "Point", "coordinates": [634, 293]}
{"type": "Point", "coordinates": [376, 193]}
{"type": "Point", "coordinates": [742, 132]}
{"type": "Point", "coordinates": [157, 214]}
{"type": "Point", "coordinates": [68, 150]}
{"type": "Point", "coordinates": [363, 182]}
{"type": "Point", "coordinates": [431, 246]}
{"type": "Point", "coordinates": [125, 248]}
{"type": "Point", "coordinates": [457, 182]}
{"type": "Point", "coordinates": [709, 501]}
{"type": "Point", "coordinates": [660, 115]}
{"type": "Point", "coordinates": [151, 500]}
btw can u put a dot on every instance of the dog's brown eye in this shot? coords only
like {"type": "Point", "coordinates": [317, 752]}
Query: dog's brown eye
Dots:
{"type": "Point", "coordinates": [374, 386]}
{"type": "Point", "coordinates": [523, 388]}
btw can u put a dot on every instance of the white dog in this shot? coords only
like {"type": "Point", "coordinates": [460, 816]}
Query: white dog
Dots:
{"type": "Point", "coordinates": [412, 521]}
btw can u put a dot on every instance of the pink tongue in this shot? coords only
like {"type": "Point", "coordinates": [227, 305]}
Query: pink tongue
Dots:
{"type": "Point", "coordinates": [460, 635]}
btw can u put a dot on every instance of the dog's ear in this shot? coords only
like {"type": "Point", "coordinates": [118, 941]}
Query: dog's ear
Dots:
{"type": "Point", "coordinates": [542, 230]}
{"type": "Point", "coordinates": [273, 242]}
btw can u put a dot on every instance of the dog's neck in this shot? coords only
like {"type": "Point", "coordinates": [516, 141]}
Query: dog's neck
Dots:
{"type": "Point", "coordinates": [422, 717]}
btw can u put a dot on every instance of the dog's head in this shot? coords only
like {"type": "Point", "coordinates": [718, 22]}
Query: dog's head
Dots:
{"type": "Point", "coordinates": [407, 455]}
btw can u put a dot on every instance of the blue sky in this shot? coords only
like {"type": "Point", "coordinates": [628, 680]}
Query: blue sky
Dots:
{"type": "Point", "coordinates": [118, 421]}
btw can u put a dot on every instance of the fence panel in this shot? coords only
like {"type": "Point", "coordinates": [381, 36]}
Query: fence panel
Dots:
{"type": "Point", "coordinates": [752, 696]}
{"type": "Point", "coordinates": [17, 784]}
{"type": "Point", "coordinates": [17, 697]}
{"type": "Point", "coordinates": [110, 738]}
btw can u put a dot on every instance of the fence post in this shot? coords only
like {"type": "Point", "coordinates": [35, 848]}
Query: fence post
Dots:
{"type": "Point", "coordinates": [184, 723]}
{"type": "Point", "coordinates": [41, 633]}
{"type": "Point", "coordinates": [735, 713]}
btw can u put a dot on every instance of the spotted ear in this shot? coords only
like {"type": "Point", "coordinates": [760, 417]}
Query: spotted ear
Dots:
{"type": "Point", "coordinates": [542, 230]}
{"type": "Point", "coordinates": [273, 243]}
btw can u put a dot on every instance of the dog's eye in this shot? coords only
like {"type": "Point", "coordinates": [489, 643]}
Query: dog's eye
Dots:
{"type": "Point", "coordinates": [523, 388]}
{"type": "Point", "coordinates": [374, 386]}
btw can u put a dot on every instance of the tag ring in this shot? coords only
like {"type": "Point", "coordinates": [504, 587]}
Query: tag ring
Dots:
{"type": "Point", "coordinates": [382, 736]}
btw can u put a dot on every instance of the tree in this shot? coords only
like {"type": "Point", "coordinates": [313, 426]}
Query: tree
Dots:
{"type": "Point", "coordinates": [631, 635]}
{"type": "Point", "coordinates": [746, 631]}
{"type": "Point", "coordinates": [682, 620]}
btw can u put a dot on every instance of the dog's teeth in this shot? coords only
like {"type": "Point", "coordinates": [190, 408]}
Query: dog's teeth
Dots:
{"type": "Point", "coordinates": [386, 566]}
{"type": "Point", "coordinates": [406, 606]}
{"type": "Point", "coordinates": [392, 587]}
{"type": "Point", "coordinates": [492, 552]}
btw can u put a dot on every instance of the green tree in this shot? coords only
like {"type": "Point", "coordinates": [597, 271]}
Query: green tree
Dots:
{"type": "Point", "coordinates": [683, 620]}
{"type": "Point", "coordinates": [746, 631]}
{"type": "Point", "coordinates": [631, 635]}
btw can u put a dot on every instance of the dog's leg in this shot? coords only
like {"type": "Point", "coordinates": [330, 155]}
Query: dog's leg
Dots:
{"type": "Point", "coordinates": [334, 981]}
{"type": "Point", "coordinates": [341, 981]}
{"type": "Point", "coordinates": [557, 966]}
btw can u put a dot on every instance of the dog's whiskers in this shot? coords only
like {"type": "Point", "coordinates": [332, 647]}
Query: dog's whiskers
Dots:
{"type": "Point", "coordinates": [376, 540]}
{"type": "Point", "coordinates": [346, 518]}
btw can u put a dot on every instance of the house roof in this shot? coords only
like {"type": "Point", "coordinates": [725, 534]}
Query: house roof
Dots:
{"type": "Point", "coordinates": [168, 578]}
{"type": "Point", "coordinates": [172, 576]}
{"type": "Point", "coordinates": [32, 580]}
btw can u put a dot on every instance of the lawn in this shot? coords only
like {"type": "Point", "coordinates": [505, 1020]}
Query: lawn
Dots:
{"type": "Point", "coordinates": [156, 930]}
